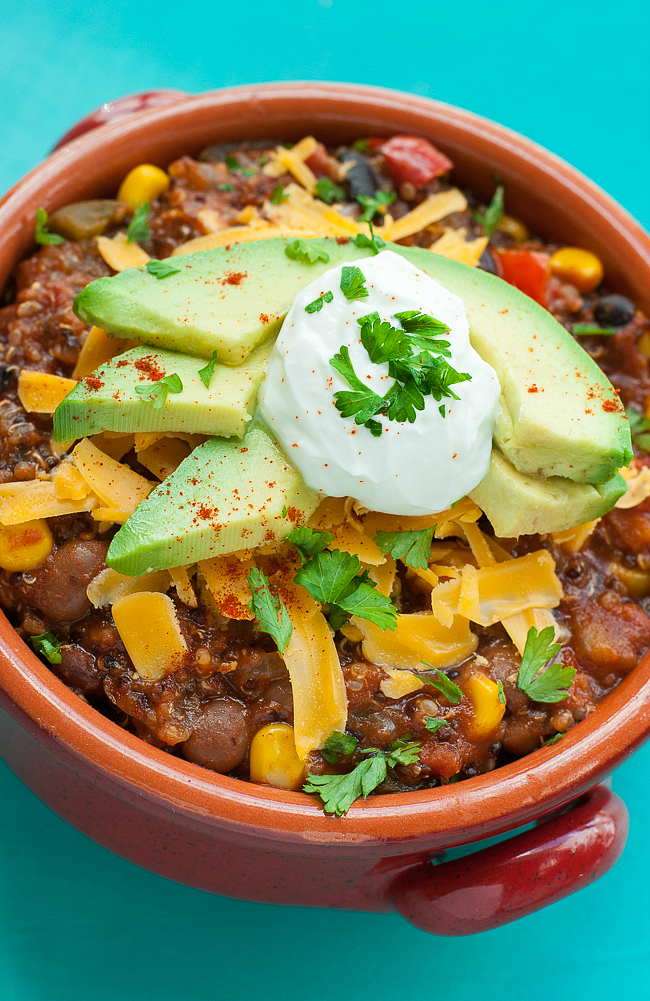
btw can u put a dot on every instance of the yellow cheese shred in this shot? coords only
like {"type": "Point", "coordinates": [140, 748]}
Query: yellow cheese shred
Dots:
{"type": "Point", "coordinates": [397, 684]}
{"type": "Point", "coordinates": [454, 244]}
{"type": "Point", "coordinates": [97, 349]}
{"type": "Point", "coordinates": [115, 483]}
{"type": "Point", "coordinates": [31, 500]}
{"type": "Point", "coordinates": [109, 585]}
{"type": "Point", "coordinates": [418, 637]}
{"type": "Point", "coordinates": [225, 577]}
{"type": "Point", "coordinates": [119, 254]}
{"type": "Point", "coordinates": [41, 393]}
{"type": "Point", "coordinates": [150, 630]}
{"type": "Point", "coordinates": [184, 589]}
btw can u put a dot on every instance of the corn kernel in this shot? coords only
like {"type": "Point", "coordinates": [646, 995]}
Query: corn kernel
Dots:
{"type": "Point", "coordinates": [273, 758]}
{"type": "Point", "coordinates": [23, 547]}
{"type": "Point", "coordinates": [143, 184]}
{"type": "Point", "coordinates": [514, 228]}
{"type": "Point", "coordinates": [483, 693]}
{"type": "Point", "coordinates": [580, 267]}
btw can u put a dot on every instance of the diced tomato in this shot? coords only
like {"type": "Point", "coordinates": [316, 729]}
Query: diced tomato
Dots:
{"type": "Point", "coordinates": [319, 161]}
{"type": "Point", "coordinates": [410, 158]}
{"type": "Point", "coordinates": [527, 270]}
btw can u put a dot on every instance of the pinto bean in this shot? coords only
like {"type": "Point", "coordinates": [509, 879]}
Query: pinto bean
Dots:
{"type": "Point", "coordinates": [59, 587]}
{"type": "Point", "coordinates": [220, 738]}
{"type": "Point", "coordinates": [78, 669]}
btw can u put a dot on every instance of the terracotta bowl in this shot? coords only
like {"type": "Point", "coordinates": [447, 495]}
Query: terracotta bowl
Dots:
{"type": "Point", "coordinates": [229, 837]}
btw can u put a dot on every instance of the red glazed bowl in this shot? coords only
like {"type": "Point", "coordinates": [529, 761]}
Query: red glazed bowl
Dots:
{"type": "Point", "coordinates": [243, 840]}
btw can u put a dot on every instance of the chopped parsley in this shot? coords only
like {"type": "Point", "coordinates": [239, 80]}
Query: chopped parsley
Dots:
{"type": "Point", "coordinates": [207, 372]}
{"type": "Point", "coordinates": [335, 579]}
{"type": "Point", "coordinates": [371, 204]}
{"type": "Point", "coordinates": [361, 145]}
{"type": "Point", "coordinates": [490, 219]}
{"type": "Point", "coordinates": [317, 304]}
{"type": "Point", "coordinates": [309, 542]}
{"type": "Point", "coordinates": [433, 724]}
{"type": "Point", "coordinates": [501, 693]}
{"type": "Point", "coordinates": [353, 283]}
{"type": "Point", "coordinates": [49, 646]}
{"type": "Point", "coordinates": [639, 428]}
{"type": "Point", "coordinates": [226, 187]}
{"type": "Point", "coordinates": [308, 251]}
{"type": "Point", "coordinates": [233, 164]}
{"type": "Point", "coordinates": [372, 242]}
{"type": "Point", "coordinates": [412, 548]}
{"type": "Point", "coordinates": [327, 191]}
{"type": "Point", "coordinates": [582, 329]}
{"type": "Point", "coordinates": [338, 792]}
{"type": "Point", "coordinates": [554, 681]}
{"type": "Point", "coordinates": [444, 684]}
{"type": "Point", "coordinates": [43, 235]}
{"type": "Point", "coordinates": [271, 615]}
{"type": "Point", "coordinates": [553, 740]}
{"type": "Point", "coordinates": [416, 361]}
{"type": "Point", "coordinates": [278, 195]}
{"type": "Point", "coordinates": [284, 511]}
{"type": "Point", "coordinates": [161, 269]}
{"type": "Point", "coordinates": [156, 392]}
{"type": "Point", "coordinates": [338, 743]}
{"type": "Point", "coordinates": [138, 227]}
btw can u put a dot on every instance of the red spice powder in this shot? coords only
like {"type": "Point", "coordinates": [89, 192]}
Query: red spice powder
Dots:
{"type": "Point", "coordinates": [264, 318]}
{"type": "Point", "coordinates": [533, 388]}
{"type": "Point", "coordinates": [233, 277]}
{"type": "Point", "coordinates": [341, 240]}
{"type": "Point", "coordinates": [149, 368]}
{"type": "Point", "coordinates": [93, 383]}
{"type": "Point", "coordinates": [611, 407]}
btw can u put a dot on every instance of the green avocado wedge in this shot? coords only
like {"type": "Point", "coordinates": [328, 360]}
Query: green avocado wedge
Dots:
{"type": "Point", "coordinates": [107, 399]}
{"type": "Point", "coordinates": [559, 414]}
{"type": "Point", "coordinates": [523, 504]}
{"type": "Point", "coordinates": [226, 496]}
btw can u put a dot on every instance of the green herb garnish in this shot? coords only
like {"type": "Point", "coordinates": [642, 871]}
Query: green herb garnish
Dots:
{"type": "Point", "coordinates": [317, 304]}
{"type": "Point", "coordinates": [139, 230]}
{"type": "Point", "coordinates": [278, 195]}
{"type": "Point", "coordinates": [207, 372]}
{"type": "Point", "coordinates": [284, 511]}
{"type": "Point", "coordinates": [553, 740]}
{"type": "Point", "coordinates": [639, 428]}
{"type": "Point", "coordinates": [49, 646]}
{"type": "Point", "coordinates": [43, 235]}
{"type": "Point", "coordinates": [156, 392]}
{"type": "Point", "coordinates": [490, 219]}
{"type": "Point", "coordinates": [309, 542]}
{"type": "Point", "coordinates": [307, 251]}
{"type": "Point", "coordinates": [444, 684]}
{"type": "Point", "coordinates": [501, 693]}
{"type": "Point", "coordinates": [338, 743]}
{"type": "Point", "coordinates": [361, 145]}
{"type": "Point", "coordinates": [433, 724]}
{"type": "Point", "coordinates": [412, 548]}
{"type": "Point", "coordinates": [338, 792]}
{"type": "Point", "coordinates": [353, 283]}
{"type": "Point", "coordinates": [327, 191]}
{"type": "Point", "coordinates": [371, 204]}
{"type": "Point", "coordinates": [233, 164]}
{"type": "Point", "coordinates": [161, 269]}
{"type": "Point", "coordinates": [553, 683]}
{"type": "Point", "coordinates": [226, 187]}
{"type": "Point", "coordinates": [335, 578]}
{"type": "Point", "coordinates": [582, 329]}
{"type": "Point", "coordinates": [271, 615]}
{"type": "Point", "coordinates": [372, 242]}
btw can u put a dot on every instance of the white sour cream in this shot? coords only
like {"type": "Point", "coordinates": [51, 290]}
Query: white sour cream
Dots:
{"type": "Point", "coordinates": [411, 469]}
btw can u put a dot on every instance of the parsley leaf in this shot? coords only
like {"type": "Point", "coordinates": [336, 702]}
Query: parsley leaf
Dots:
{"type": "Point", "coordinates": [502, 694]}
{"type": "Point", "coordinates": [333, 577]}
{"type": "Point", "coordinates": [415, 321]}
{"type": "Point", "coordinates": [277, 195]}
{"type": "Point", "coordinates": [271, 615]}
{"type": "Point", "coordinates": [639, 428]}
{"type": "Point", "coordinates": [444, 684]}
{"type": "Point", "coordinates": [317, 304]}
{"type": "Point", "coordinates": [156, 392]}
{"type": "Point", "coordinates": [309, 542]}
{"type": "Point", "coordinates": [363, 403]}
{"type": "Point", "coordinates": [491, 217]}
{"type": "Point", "coordinates": [353, 283]}
{"type": "Point", "coordinates": [232, 163]}
{"type": "Point", "coordinates": [207, 372]}
{"type": "Point", "coordinates": [372, 242]}
{"type": "Point", "coordinates": [582, 329]}
{"type": "Point", "coordinates": [338, 743]}
{"type": "Point", "coordinates": [226, 187]}
{"type": "Point", "coordinates": [371, 204]}
{"type": "Point", "coordinates": [327, 191]}
{"type": "Point", "coordinates": [161, 269]}
{"type": "Point", "coordinates": [43, 235]}
{"type": "Point", "coordinates": [138, 227]}
{"type": "Point", "coordinates": [284, 511]}
{"type": "Point", "coordinates": [361, 145]}
{"type": "Point", "coordinates": [308, 251]}
{"type": "Point", "coordinates": [553, 740]}
{"type": "Point", "coordinates": [49, 646]}
{"type": "Point", "coordinates": [412, 548]}
{"type": "Point", "coordinates": [403, 751]}
{"type": "Point", "coordinates": [338, 792]}
{"type": "Point", "coordinates": [433, 725]}
{"type": "Point", "coordinates": [553, 683]}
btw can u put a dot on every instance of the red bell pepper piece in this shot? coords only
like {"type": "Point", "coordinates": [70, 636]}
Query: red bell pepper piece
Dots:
{"type": "Point", "coordinates": [527, 270]}
{"type": "Point", "coordinates": [319, 161]}
{"type": "Point", "coordinates": [410, 158]}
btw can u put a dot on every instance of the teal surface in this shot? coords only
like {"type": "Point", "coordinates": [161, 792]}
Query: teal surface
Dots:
{"type": "Point", "coordinates": [75, 921]}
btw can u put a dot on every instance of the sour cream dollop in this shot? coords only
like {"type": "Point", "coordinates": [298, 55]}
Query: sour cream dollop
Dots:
{"type": "Point", "coordinates": [411, 469]}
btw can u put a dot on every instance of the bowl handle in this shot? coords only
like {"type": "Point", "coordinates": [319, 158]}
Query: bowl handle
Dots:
{"type": "Point", "coordinates": [516, 877]}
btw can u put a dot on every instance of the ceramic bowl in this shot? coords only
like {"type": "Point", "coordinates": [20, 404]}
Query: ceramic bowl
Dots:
{"type": "Point", "coordinates": [243, 840]}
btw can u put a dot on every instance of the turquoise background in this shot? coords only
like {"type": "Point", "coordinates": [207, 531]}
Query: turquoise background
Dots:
{"type": "Point", "coordinates": [77, 922]}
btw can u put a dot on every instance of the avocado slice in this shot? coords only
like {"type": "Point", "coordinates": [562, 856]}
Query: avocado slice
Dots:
{"type": "Point", "coordinates": [560, 416]}
{"type": "Point", "coordinates": [106, 400]}
{"type": "Point", "coordinates": [225, 496]}
{"type": "Point", "coordinates": [518, 503]}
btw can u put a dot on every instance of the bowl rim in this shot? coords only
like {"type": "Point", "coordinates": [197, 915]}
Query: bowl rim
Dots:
{"type": "Point", "coordinates": [538, 783]}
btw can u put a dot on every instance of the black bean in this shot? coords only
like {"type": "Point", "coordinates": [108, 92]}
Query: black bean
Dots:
{"type": "Point", "coordinates": [615, 311]}
{"type": "Point", "coordinates": [361, 178]}
{"type": "Point", "coordinates": [220, 738]}
{"type": "Point", "coordinates": [486, 262]}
